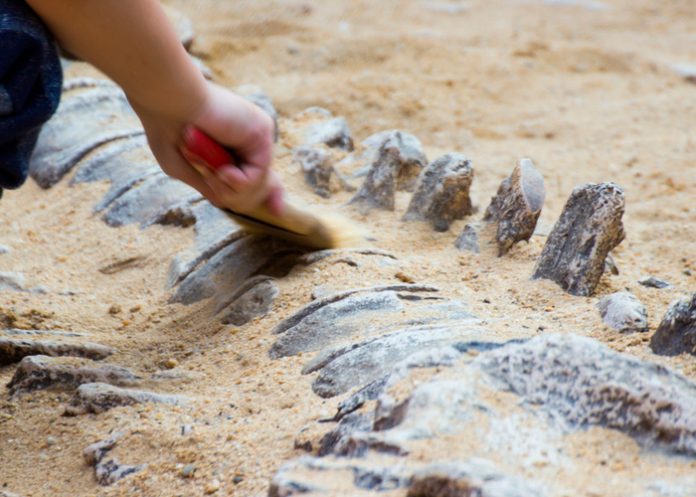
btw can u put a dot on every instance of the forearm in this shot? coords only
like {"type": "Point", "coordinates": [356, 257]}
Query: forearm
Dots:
{"type": "Point", "coordinates": [132, 42]}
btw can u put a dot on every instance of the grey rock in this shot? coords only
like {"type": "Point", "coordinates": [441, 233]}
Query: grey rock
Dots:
{"type": "Point", "coordinates": [610, 266]}
{"type": "Point", "coordinates": [8, 494]}
{"type": "Point", "coordinates": [253, 299]}
{"type": "Point", "coordinates": [93, 454]}
{"type": "Point", "coordinates": [588, 229]}
{"type": "Point", "coordinates": [284, 484]}
{"type": "Point", "coordinates": [4, 249]}
{"type": "Point", "coordinates": [587, 4]}
{"type": "Point", "coordinates": [337, 440]}
{"type": "Point", "coordinates": [320, 255]}
{"type": "Point", "coordinates": [584, 383]}
{"type": "Point", "coordinates": [396, 166]}
{"type": "Point", "coordinates": [111, 471]}
{"type": "Point", "coordinates": [463, 479]}
{"type": "Point", "coordinates": [442, 195]}
{"type": "Point", "coordinates": [149, 201]}
{"type": "Point", "coordinates": [653, 282]}
{"type": "Point", "coordinates": [12, 282]}
{"type": "Point", "coordinates": [42, 372]}
{"type": "Point", "coordinates": [677, 331]}
{"type": "Point", "coordinates": [468, 240]}
{"type": "Point", "coordinates": [412, 149]}
{"type": "Point", "coordinates": [258, 97]}
{"type": "Point", "coordinates": [317, 167]}
{"type": "Point", "coordinates": [26, 333]}
{"type": "Point", "coordinates": [215, 230]}
{"type": "Point", "coordinates": [686, 71]}
{"type": "Point", "coordinates": [517, 206]}
{"type": "Point", "coordinates": [623, 312]}
{"type": "Point", "coordinates": [13, 350]}
{"type": "Point", "coordinates": [82, 123]}
{"type": "Point", "coordinates": [100, 397]}
{"type": "Point", "coordinates": [332, 132]}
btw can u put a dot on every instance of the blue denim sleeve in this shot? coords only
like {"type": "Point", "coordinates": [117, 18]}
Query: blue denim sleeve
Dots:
{"type": "Point", "coordinates": [30, 85]}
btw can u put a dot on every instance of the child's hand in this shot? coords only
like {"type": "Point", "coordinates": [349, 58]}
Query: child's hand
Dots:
{"type": "Point", "coordinates": [236, 123]}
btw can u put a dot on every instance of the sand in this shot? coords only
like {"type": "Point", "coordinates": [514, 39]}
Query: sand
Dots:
{"type": "Point", "coordinates": [586, 90]}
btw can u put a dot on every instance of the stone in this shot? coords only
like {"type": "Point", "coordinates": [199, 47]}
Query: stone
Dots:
{"type": "Point", "coordinates": [253, 299]}
{"type": "Point", "coordinates": [623, 312]}
{"type": "Point", "coordinates": [583, 382]}
{"type": "Point", "coordinates": [258, 97]}
{"type": "Point", "coordinates": [42, 372]}
{"type": "Point", "coordinates": [317, 167]}
{"type": "Point", "coordinates": [83, 122]}
{"type": "Point", "coordinates": [13, 350]}
{"type": "Point", "coordinates": [588, 229]}
{"type": "Point", "coordinates": [468, 240]}
{"type": "Point", "coordinates": [336, 441]}
{"type": "Point", "coordinates": [94, 453]}
{"type": "Point", "coordinates": [96, 398]}
{"type": "Point", "coordinates": [332, 132]}
{"type": "Point", "coordinates": [396, 166]}
{"type": "Point", "coordinates": [686, 71]}
{"type": "Point", "coordinates": [108, 472]}
{"type": "Point", "coordinates": [442, 194]}
{"type": "Point", "coordinates": [677, 331]}
{"type": "Point", "coordinates": [149, 201]}
{"type": "Point", "coordinates": [4, 249]}
{"type": "Point", "coordinates": [517, 205]}
{"type": "Point", "coordinates": [653, 282]}
{"type": "Point", "coordinates": [12, 282]}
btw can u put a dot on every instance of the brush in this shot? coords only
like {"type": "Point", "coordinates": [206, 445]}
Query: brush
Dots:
{"type": "Point", "coordinates": [295, 224]}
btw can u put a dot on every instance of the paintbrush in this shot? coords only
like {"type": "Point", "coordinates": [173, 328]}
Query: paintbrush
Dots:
{"type": "Point", "coordinates": [295, 224]}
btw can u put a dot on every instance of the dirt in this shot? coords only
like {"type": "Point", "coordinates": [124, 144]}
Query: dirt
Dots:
{"type": "Point", "coordinates": [588, 94]}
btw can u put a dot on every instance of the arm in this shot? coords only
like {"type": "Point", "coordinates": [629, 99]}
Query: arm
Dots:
{"type": "Point", "coordinates": [133, 43]}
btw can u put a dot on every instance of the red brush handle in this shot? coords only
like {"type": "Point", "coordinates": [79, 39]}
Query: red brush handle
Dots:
{"type": "Point", "coordinates": [202, 151]}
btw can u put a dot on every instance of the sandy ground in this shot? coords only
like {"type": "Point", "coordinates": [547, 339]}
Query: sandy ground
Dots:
{"type": "Point", "coordinates": [587, 93]}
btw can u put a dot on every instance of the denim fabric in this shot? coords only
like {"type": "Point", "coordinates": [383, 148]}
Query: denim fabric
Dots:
{"type": "Point", "coordinates": [30, 85]}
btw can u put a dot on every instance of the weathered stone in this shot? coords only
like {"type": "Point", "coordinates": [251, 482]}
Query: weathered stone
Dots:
{"type": "Point", "coordinates": [317, 167]}
{"type": "Point", "coordinates": [517, 206]}
{"type": "Point", "coordinates": [314, 257]}
{"type": "Point", "coordinates": [468, 240]}
{"type": "Point", "coordinates": [4, 249]}
{"type": "Point", "coordinates": [677, 331]}
{"type": "Point", "coordinates": [15, 349]}
{"type": "Point", "coordinates": [108, 472]}
{"type": "Point", "coordinates": [412, 148]}
{"type": "Point", "coordinates": [585, 383]}
{"type": "Point", "coordinates": [82, 123]}
{"type": "Point", "coordinates": [100, 397]}
{"type": "Point", "coordinates": [41, 372]}
{"type": "Point", "coordinates": [466, 479]}
{"type": "Point", "coordinates": [12, 282]}
{"type": "Point", "coordinates": [442, 195]}
{"type": "Point", "coordinates": [653, 282]}
{"type": "Point", "coordinates": [332, 132]}
{"type": "Point", "coordinates": [686, 71]}
{"type": "Point", "coordinates": [253, 299]}
{"type": "Point", "coordinates": [149, 201]}
{"type": "Point", "coordinates": [589, 227]}
{"type": "Point", "coordinates": [336, 440]}
{"type": "Point", "coordinates": [623, 312]}
{"type": "Point", "coordinates": [394, 167]}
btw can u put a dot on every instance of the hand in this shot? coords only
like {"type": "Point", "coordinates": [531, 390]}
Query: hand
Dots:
{"type": "Point", "coordinates": [236, 123]}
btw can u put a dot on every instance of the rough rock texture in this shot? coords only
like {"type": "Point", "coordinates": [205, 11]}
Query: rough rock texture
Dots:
{"type": "Point", "coordinates": [99, 397]}
{"type": "Point", "coordinates": [468, 240]}
{"type": "Point", "coordinates": [317, 167]}
{"type": "Point", "coordinates": [585, 383]}
{"type": "Point", "coordinates": [396, 164]}
{"type": "Point", "coordinates": [12, 282]}
{"type": "Point", "coordinates": [333, 132]}
{"type": "Point", "coordinates": [589, 227]}
{"type": "Point", "coordinates": [15, 349]}
{"type": "Point", "coordinates": [653, 282]}
{"type": "Point", "coordinates": [677, 331]}
{"type": "Point", "coordinates": [82, 123]}
{"type": "Point", "coordinates": [109, 471]}
{"type": "Point", "coordinates": [623, 312]}
{"type": "Point", "coordinates": [517, 205]}
{"type": "Point", "coordinates": [442, 195]}
{"type": "Point", "coordinates": [41, 372]}
{"type": "Point", "coordinates": [253, 299]}
{"type": "Point", "coordinates": [407, 177]}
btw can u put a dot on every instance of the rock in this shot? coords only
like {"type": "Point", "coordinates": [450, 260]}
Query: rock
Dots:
{"type": "Point", "coordinates": [94, 453]}
{"type": "Point", "coordinates": [610, 266]}
{"type": "Point", "coordinates": [224, 272]}
{"type": "Point", "coordinates": [653, 282]}
{"type": "Point", "coordinates": [182, 26]}
{"type": "Point", "coordinates": [111, 471]}
{"type": "Point", "coordinates": [517, 206]}
{"type": "Point", "coordinates": [623, 312]}
{"type": "Point", "coordinates": [442, 195]}
{"type": "Point", "coordinates": [12, 282]}
{"type": "Point", "coordinates": [395, 166]}
{"type": "Point", "coordinates": [677, 331]}
{"type": "Point", "coordinates": [332, 132]}
{"type": "Point", "coordinates": [284, 485]}
{"type": "Point", "coordinates": [82, 123]}
{"type": "Point", "coordinates": [314, 257]}
{"type": "Point", "coordinates": [686, 71]}
{"type": "Point", "coordinates": [253, 299]}
{"type": "Point", "coordinates": [100, 397]}
{"type": "Point", "coordinates": [149, 201]}
{"type": "Point", "coordinates": [407, 177]}
{"type": "Point", "coordinates": [336, 441]}
{"type": "Point", "coordinates": [468, 240]}
{"type": "Point", "coordinates": [317, 166]}
{"type": "Point", "coordinates": [586, 384]}
{"type": "Point", "coordinates": [215, 230]}
{"type": "Point", "coordinates": [464, 479]}
{"type": "Point", "coordinates": [41, 372]}
{"type": "Point", "coordinates": [4, 249]}
{"type": "Point", "coordinates": [13, 350]}
{"type": "Point", "coordinates": [258, 97]}
{"type": "Point", "coordinates": [188, 471]}
{"type": "Point", "coordinates": [588, 229]}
